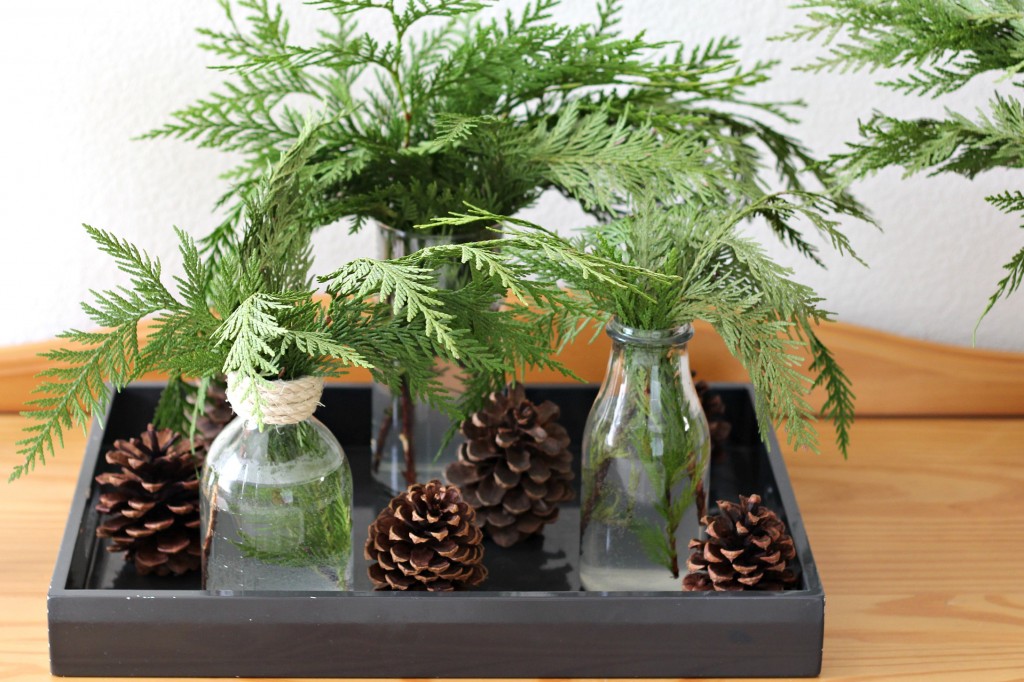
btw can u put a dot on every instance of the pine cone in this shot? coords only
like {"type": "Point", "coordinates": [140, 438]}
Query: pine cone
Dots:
{"type": "Point", "coordinates": [714, 411]}
{"type": "Point", "coordinates": [747, 549]}
{"type": "Point", "coordinates": [217, 412]}
{"type": "Point", "coordinates": [154, 505]}
{"type": "Point", "coordinates": [426, 539]}
{"type": "Point", "coordinates": [515, 466]}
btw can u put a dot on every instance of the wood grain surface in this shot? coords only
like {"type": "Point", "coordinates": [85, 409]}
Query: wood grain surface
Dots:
{"type": "Point", "coordinates": [892, 375]}
{"type": "Point", "coordinates": [919, 538]}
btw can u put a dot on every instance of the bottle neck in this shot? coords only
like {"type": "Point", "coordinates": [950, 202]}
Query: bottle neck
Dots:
{"type": "Point", "coordinates": [674, 337]}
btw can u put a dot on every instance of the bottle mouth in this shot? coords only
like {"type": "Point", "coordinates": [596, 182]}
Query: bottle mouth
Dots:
{"type": "Point", "coordinates": [673, 336]}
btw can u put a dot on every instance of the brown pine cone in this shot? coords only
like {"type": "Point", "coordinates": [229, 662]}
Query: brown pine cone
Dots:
{"type": "Point", "coordinates": [426, 539]}
{"type": "Point", "coordinates": [217, 412]}
{"type": "Point", "coordinates": [153, 508]}
{"type": "Point", "coordinates": [515, 467]}
{"type": "Point", "coordinates": [747, 549]}
{"type": "Point", "coordinates": [714, 411]}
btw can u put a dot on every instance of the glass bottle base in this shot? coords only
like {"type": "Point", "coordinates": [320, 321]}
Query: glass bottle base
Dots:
{"type": "Point", "coordinates": [655, 579]}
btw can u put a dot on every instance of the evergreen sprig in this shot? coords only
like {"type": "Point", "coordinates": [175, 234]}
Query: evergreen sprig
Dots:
{"type": "Point", "coordinates": [494, 342]}
{"type": "Point", "coordinates": [940, 46]}
{"type": "Point", "coordinates": [490, 111]}
{"type": "Point", "coordinates": [709, 272]}
{"type": "Point", "coordinates": [252, 312]}
{"type": "Point", "coordinates": [945, 42]}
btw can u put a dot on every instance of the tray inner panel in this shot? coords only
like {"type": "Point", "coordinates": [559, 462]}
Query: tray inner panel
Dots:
{"type": "Point", "coordinates": [546, 563]}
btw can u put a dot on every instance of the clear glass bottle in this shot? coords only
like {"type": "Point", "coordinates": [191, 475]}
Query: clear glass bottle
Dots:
{"type": "Point", "coordinates": [645, 465]}
{"type": "Point", "coordinates": [407, 435]}
{"type": "Point", "coordinates": [276, 509]}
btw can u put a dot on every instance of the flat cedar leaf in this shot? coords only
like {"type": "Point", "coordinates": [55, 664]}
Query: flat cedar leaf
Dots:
{"type": "Point", "coordinates": [938, 47]}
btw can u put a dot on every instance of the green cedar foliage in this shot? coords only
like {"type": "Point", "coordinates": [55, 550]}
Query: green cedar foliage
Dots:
{"type": "Point", "coordinates": [456, 108]}
{"type": "Point", "coordinates": [940, 45]}
{"type": "Point", "coordinates": [255, 314]}
{"type": "Point", "coordinates": [710, 272]}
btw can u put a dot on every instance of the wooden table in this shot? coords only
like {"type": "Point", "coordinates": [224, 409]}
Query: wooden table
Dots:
{"type": "Point", "coordinates": [919, 538]}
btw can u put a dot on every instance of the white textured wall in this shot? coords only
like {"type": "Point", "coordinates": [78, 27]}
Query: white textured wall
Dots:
{"type": "Point", "coordinates": [80, 79]}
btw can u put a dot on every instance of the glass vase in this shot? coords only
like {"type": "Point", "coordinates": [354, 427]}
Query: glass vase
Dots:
{"type": "Point", "coordinates": [645, 465]}
{"type": "Point", "coordinates": [407, 434]}
{"type": "Point", "coordinates": [276, 509]}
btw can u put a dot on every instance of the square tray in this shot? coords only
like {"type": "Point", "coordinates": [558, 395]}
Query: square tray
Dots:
{"type": "Point", "coordinates": [529, 619]}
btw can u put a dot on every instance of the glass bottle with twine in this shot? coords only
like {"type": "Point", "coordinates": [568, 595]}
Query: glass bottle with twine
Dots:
{"type": "Point", "coordinates": [276, 502]}
{"type": "Point", "coordinates": [645, 463]}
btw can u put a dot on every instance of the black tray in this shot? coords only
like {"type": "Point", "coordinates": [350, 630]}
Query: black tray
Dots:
{"type": "Point", "coordinates": [528, 620]}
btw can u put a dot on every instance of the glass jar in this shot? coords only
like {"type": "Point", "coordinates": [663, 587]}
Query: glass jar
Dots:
{"type": "Point", "coordinates": [645, 465]}
{"type": "Point", "coordinates": [276, 505]}
{"type": "Point", "coordinates": [407, 434]}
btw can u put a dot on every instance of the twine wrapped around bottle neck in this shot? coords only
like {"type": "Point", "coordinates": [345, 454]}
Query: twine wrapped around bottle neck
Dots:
{"type": "Point", "coordinates": [281, 402]}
